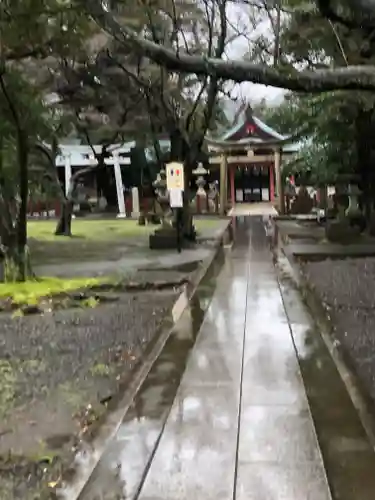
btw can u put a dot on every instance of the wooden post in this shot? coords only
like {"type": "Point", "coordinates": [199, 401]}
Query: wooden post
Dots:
{"type": "Point", "coordinates": [272, 183]}
{"type": "Point", "coordinates": [279, 182]}
{"type": "Point", "coordinates": [223, 184]}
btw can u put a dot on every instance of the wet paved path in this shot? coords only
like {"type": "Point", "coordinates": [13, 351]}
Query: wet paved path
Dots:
{"type": "Point", "coordinates": [240, 425]}
{"type": "Point", "coordinates": [228, 414]}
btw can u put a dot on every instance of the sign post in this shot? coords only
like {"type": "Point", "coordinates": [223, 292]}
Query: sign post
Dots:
{"type": "Point", "coordinates": [175, 176]}
{"type": "Point", "coordinates": [175, 186]}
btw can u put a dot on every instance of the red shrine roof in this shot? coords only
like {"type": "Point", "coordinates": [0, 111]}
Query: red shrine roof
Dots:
{"type": "Point", "coordinates": [250, 127]}
{"type": "Point", "coordinates": [249, 131]}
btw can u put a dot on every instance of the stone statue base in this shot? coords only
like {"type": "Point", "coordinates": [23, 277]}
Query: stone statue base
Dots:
{"type": "Point", "coordinates": [164, 238]}
{"type": "Point", "coordinates": [204, 205]}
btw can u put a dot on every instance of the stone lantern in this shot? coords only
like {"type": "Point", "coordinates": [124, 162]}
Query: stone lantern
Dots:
{"type": "Point", "coordinates": [200, 171]}
{"type": "Point", "coordinates": [160, 185]}
{"type": "Point", "coordinates": [353, 209]}
{"type": "Point", "coordinates": [201, 195]}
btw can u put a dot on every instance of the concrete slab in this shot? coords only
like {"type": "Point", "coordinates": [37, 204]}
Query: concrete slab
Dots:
{"type": "Point", "coordinates": [189, 470]}
{"type": "Point", "coordinates": [272, 380]}
{"type": "Point", "coordinates": [217, 407]}
{"type": "Point", "coordinates": [197, 453]}
{"type": "Point", "coordinates": [229, 334]}
{"type": "Point", "coordinates": [282, 434]}
{"type": "Point", "coordinates": [214, 366]}
{"type": "Point", "coordinates": [264, 208]}
{"type": "Point", "coordinates": [277, 481]}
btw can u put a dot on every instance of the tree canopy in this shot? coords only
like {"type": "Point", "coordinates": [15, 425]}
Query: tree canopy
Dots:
{"type": "Point", "coordinates": [333, 126]}
{"type": "Point", "coordinates": [124, 69]}
{"type": "Point", "coordinates": [354, 15]}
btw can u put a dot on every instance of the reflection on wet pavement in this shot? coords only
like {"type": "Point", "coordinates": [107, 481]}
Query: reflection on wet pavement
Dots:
{"type": "Point", "coordinates": [225, 413]}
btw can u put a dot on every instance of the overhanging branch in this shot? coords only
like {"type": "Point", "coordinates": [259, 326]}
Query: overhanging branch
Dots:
{"type": "Point", "coordinates": [347, 78]}
{"type": "Point", "coordinates": [358, 13]}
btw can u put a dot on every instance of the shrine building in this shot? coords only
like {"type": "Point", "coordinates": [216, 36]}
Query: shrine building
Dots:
{"type": "Point", "coordinates": [249, 156]}
{"type": "Point", "coordinates": [245, 161]}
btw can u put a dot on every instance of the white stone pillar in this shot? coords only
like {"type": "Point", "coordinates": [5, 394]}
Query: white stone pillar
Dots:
{"type": "Point", "coordinates": [223, 184]}
{"type": "Point", "coordinates": [68, 172]}
{"type": "Point", "coordinates": [119, 187]}
{"type": "Point", "coordinates": [135, 203]}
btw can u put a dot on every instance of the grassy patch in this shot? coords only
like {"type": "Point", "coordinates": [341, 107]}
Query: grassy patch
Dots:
{"type": "Point", "coordinates": [100, 370]}
{"type": "Point", "coordinates": [31, 292]}
{"type": "Point", "coordinates": [101, 230]}
{"type": "Point", "coordinates": [92, 230]}
{"type": "Point", "coordinates": [93, 239]}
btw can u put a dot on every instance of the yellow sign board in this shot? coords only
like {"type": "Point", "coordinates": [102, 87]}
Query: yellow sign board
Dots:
{"type": "Point", "coordinates": [175, 175]}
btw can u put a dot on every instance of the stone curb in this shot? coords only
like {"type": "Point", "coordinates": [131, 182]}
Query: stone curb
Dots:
{"type": "Point", "coordinates": [319, 315]}
{"type": "Point", "coordinates": [86, 460]}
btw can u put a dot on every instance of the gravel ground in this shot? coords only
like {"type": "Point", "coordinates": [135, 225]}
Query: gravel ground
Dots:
{"type": "Point", "coordinates": [53, 366]}
{"type": "Point", "coordinates": [348, 288]}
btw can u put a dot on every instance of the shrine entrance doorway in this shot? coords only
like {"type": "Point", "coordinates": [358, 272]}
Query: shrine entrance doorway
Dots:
{"type": "Point", "coordinates": [252, 184]}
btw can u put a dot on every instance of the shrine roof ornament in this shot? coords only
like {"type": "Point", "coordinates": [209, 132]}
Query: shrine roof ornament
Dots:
{"type": "Point", "coordinates": [250, 131]}
{"type": "Point", "coordinates": [247, 125]}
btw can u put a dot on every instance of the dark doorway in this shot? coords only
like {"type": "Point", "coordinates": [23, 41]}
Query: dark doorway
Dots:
{"type": "Point", "coordinates": [252, 184]}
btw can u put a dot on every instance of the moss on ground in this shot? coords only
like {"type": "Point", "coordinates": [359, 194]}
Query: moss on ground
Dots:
{"type": "Point", "coordinates": [31, 292]}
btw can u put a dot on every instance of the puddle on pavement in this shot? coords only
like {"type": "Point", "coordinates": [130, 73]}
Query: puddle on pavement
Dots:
{"type": "Point", "coordinates": [348, 456]}
{"type": "Point", "coordinates": [120, 471]}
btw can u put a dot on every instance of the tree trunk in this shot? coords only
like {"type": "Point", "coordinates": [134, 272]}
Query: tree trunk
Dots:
{"type": "Point", "coordinates": [323, 198]}
{"type": "Point", "coordinates": [64, 224]}
{"type": "Point", "coordinates": [189, 232]}
{"type": "Point", "coordinates": [22, 258]}
{"type": "Point", "coordinates": [16, 256]}
{"type": "Point", "coordinates": [363, 144]}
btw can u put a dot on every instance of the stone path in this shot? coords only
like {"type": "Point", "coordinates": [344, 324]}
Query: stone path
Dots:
{"type": "Point", "coordinates": [245, 423]}
{"type": "Point", "coordinates": [240, 425]}
{"type": "Point", "coordinates": [243, 209]}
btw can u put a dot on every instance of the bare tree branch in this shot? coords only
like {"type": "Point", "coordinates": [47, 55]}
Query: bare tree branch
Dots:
{"type": "Point", "coordinates": [348, 78]}
{"type": "Point", "coordinates": [357, 13]}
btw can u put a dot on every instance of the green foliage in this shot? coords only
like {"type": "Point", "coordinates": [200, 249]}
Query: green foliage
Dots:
{"type": "Point", "coordinates": [326, 123]}
{"type": "Point", "coordinates": [36, 36]}
{"type": "Point", "coordinates": [176, 103]}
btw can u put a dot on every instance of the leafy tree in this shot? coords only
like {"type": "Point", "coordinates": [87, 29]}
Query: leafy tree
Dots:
{"type": "Point", "coordinates": [104, 107]}
{"type": "Point", "coordinates": [31, 32]}
{"type": "Point", "coordinates": [181, 106]}
{"type": "Point", "coordinates": [325, 127]}
{"type": "Point", "coordinates": [334, 127]}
